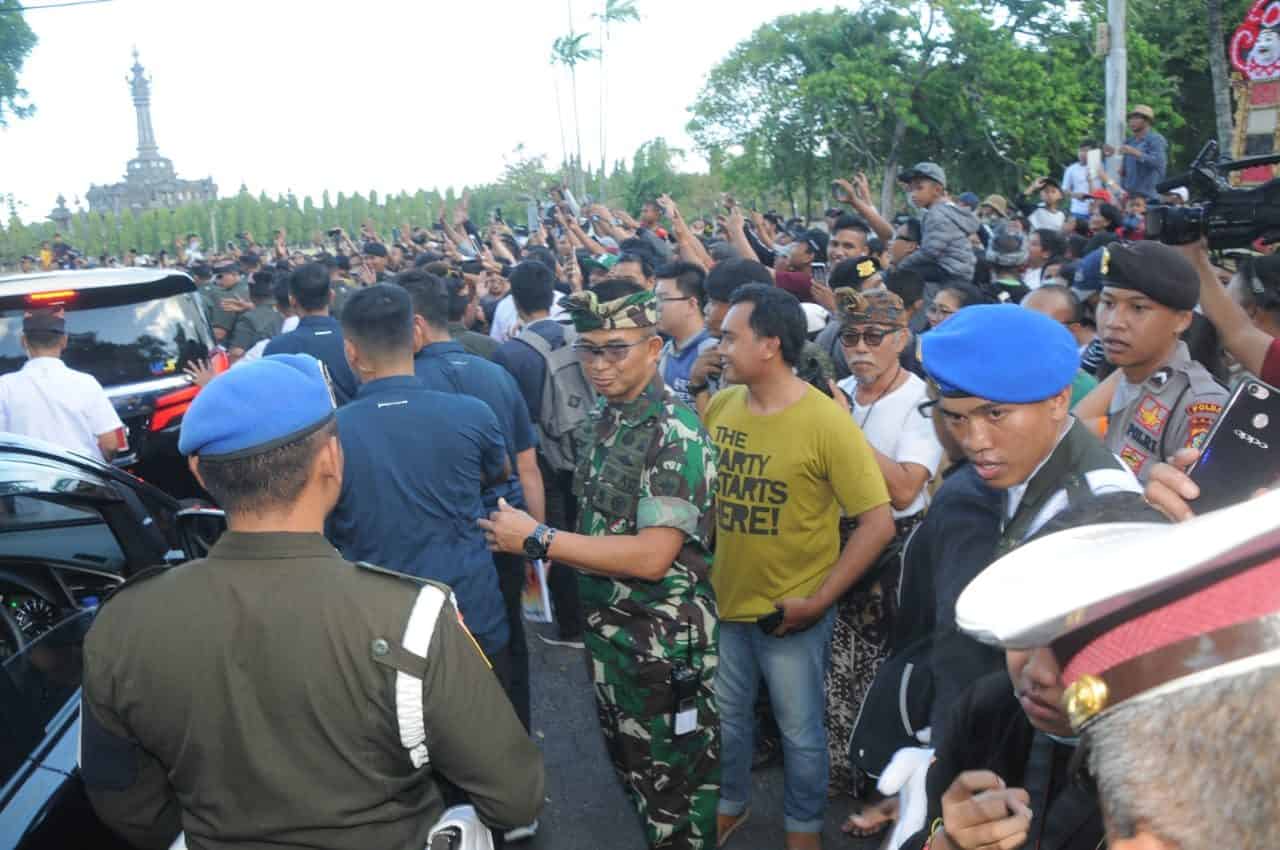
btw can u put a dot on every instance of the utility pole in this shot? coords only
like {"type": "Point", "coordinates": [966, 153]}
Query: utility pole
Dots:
{"type": "Point", "coordinates": [1117, 80]}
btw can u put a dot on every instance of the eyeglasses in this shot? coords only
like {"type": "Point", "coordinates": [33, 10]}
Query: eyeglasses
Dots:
{"type": "Point", "coordinates": [851, 338]}
{"type": "Point", "coordinates": [614, 352]}
{"type": "Point", "coordinates": [665, 299]}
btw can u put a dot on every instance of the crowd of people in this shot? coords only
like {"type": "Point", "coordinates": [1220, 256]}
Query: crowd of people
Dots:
{"type": "Point", "coordinates": [799, 486]}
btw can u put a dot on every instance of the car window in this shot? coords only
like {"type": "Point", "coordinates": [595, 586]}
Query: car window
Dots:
{"type": "Point", "coordinates": [37, 527]}
{"type": "Point", "coordinates": [120, 343]}
{"type": "Point", "coordinates": [36, 684]}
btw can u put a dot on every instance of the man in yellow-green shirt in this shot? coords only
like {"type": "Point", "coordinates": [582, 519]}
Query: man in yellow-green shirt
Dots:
{"type": "Point", "coordinates": [790, 462]}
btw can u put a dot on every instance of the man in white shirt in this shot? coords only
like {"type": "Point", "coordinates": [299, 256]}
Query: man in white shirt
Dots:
{"type": "Point", "coordinates": [885, 402]}
{"type": "Point", "coordinates": [1077, 185]}
{"type": "Point", "coordinates": [48, 400]}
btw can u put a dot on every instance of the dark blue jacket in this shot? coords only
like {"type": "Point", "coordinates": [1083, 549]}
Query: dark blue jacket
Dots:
{"type": "Point", "coordinates": [321, 337]}
{"type": "Point", "coordinates": [415, 463]}
{"type": "Point", "coordinates": [447, 367]}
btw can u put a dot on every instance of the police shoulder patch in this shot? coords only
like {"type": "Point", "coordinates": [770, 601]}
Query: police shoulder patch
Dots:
{"type": "Point", "coordinates": [1198, 428]}
{"type": "Point", "coordinates": [1133, 458]}
{"type": "Point", "coordinates": [1204, 408]}
{"type": "Point", "coordinates": [374, 568]}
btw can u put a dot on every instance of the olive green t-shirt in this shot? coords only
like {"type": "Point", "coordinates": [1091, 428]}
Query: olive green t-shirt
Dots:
{"type": "Point", "coordinates": [781, 484]}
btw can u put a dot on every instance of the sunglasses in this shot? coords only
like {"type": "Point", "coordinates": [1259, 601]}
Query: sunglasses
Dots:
{"type": "Point", "coordinates": [614, 352]}
{"type": "Point", "coordinates": [851, 338]}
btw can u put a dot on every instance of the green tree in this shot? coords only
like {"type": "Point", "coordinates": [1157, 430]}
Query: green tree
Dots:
{"type": "Point", "coordinates": [569, 51]}
{"type": "Point", "coordinates": [16, 42]}
{"type": "Point", "coordinates": [994, 90]}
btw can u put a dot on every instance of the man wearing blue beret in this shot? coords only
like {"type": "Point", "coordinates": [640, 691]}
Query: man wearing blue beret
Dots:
{"type": "Point", "coordinates": [1002, 376]}
{"type": "Point", "coordinates": [273, 693]}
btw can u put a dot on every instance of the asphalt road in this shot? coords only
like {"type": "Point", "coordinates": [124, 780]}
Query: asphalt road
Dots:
{"type": "Point", "coordinates": [586, 808]}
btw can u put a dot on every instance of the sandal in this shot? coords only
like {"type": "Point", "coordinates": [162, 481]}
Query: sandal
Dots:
{"type": "Point", "coordinates": [723, 835]}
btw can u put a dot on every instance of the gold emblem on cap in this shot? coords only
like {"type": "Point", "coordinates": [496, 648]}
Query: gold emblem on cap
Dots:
{"type": "Point", "coordinates": [866, 268]}
{"type": "Point", "coordinates": [1084, 699]}
{"type": "Point", "coordinates": [1106, 261]}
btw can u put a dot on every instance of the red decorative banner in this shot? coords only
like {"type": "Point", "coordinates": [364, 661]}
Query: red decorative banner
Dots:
{"type": "Point", "coordinates": [1255, 46]}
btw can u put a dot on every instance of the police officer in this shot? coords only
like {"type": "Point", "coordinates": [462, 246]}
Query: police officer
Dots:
{"type": "Point", "coordinates": [262, 322]}
{"type": "Point", "coordinates": [223, 298]}
{"type": "Point", "coordinates": [1171, 675]}
{"type": "Point", "coordinates": [1164, 400]}
{"type": "Point", "coordinates": [644, 480]}
{"type": "Point", "coordinates": [1002, 376]}
{"type": "Point", "coordinates": [274, 694]}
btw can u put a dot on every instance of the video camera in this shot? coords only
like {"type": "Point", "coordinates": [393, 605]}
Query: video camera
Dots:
{"type": "Point", "coordinates": [1230, 217]}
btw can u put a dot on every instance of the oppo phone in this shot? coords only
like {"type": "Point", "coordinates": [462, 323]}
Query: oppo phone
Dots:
{"type": "Point", "coordinates": [1242, 452]}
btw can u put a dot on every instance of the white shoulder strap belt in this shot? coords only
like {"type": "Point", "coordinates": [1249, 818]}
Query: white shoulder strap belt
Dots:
{"type": "Point", "coordinates": [417, 639]}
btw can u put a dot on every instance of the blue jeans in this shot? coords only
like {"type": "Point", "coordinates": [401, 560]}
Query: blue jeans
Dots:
{"type": "Point", "coordinates": [793, 667]}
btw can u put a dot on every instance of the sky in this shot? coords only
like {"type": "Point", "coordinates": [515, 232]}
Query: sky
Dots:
{"type": "Point", "coordinates": [307, 95]}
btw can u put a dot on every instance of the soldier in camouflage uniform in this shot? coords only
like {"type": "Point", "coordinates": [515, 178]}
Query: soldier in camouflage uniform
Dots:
{"type": "Point", "coordinates": [646, 470]}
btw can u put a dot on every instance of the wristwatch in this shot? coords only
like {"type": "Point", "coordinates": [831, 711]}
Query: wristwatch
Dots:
{"type": "Point", "coordinates": [696, 389]}
{"type": "Point", "coordinates": [537, 544]}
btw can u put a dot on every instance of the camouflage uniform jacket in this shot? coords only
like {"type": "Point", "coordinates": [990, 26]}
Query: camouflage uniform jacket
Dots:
{"type": "Point", "coordinates": [647, 463]}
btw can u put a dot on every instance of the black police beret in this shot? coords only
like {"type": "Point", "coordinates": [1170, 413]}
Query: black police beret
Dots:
{"type": "Point", "coordinates": [1154, 269]}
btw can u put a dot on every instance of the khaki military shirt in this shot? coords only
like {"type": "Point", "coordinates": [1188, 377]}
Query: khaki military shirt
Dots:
{"type": "Point", "coordinates": [276, 695]}
{"type": "Point", "coordinates": [262, 322]}
{"type": "Point", "coordinates": [343, 289]}
{"type": "Point", "coordinates": [1173, 409]}
{"type": "Point", "coordinates": [214, 295]}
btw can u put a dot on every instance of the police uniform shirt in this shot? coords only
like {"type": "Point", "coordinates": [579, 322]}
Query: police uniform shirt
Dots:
{"type": "Point", "coordinates": [50, 401]}
{"type": "Point", "coordinates": [1173, 409]}
{"type": "Point", "coordinates": [275, 695]}
{"type": "Point", "coordinates": [262, 322]}
{"type": "Point", "coordinates": [415, 464]}
{"type": "Point", "coordinates": [321, 337]}
{"type": "Point", "coordinates": [447, 367]}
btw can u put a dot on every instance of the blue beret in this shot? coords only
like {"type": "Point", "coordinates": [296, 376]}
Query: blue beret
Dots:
{"type": "Point", "coordinates": [256, 407]}
{"type": "Point", "coordinates": [1000, 352]}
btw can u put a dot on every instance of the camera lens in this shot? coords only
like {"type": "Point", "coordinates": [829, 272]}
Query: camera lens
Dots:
{"type": "Point", "coordinates": [1259, 392]}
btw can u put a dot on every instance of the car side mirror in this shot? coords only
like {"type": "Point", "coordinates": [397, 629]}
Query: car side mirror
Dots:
{"type": "Point", "coordinates": [199, 527]}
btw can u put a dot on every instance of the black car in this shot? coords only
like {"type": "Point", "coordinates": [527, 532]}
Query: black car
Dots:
{"type": "Point", "coordinates": [135, 330]}
{"type": "Point", "coordinates": [71, 530]}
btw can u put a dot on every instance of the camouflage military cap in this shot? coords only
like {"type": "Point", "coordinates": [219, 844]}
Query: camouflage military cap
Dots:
{"type": "Point", "coordinates": [638, 310]}
{"type": "Point", "coordinates": [872, 307]}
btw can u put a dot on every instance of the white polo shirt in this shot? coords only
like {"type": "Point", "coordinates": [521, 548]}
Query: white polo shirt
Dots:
{"type": "Point", "coordinates": [50, 401]}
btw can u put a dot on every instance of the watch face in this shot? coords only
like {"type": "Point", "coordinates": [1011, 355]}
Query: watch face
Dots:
{"type": "Point", "coordinates": [533, 548]}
